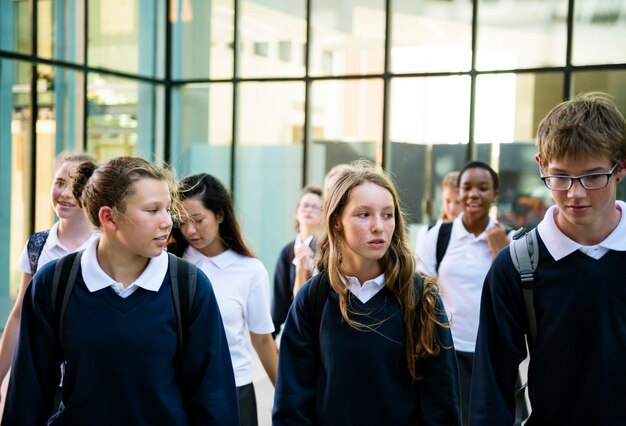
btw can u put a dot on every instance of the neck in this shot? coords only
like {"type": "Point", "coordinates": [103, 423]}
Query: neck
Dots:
{"type": "Point", "coordinates": [306, 231]}
{"type": "Point", "coordinates": [363, 271]}
{"type": "Point", "coordinates": [476, 226]}
{"type": "Point", "coordinates": [118, 263]}
{"type": "Point", "coordinates": [214, 249]}
{"type": "Point", "coordinates": [588, 234]}
{"type": "Point", "coordinates": [73, 233]}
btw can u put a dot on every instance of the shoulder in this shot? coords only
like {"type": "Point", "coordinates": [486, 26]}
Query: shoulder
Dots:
{"type": "Point", "coordinates": [38, 239]}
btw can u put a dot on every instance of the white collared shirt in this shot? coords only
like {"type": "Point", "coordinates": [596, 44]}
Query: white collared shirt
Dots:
{"type": "Point", "coordinates": [369, 289]}
{"type": "Point", "coordinates": [96, 279]}
{"type": "Point", "coordinates": [241, 285]}
{"type": "Point", "coordinates": [53, 249]}
{"type": "Point", "coordinates": [299, 243]}
{"type": "Point", "coordinates": [560, 245]}
{"type": "Point", "coordinates": [461, 275]}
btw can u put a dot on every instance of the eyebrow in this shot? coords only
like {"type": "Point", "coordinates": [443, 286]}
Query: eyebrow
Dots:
{"type": "Point", "coordinates": [562, 172]}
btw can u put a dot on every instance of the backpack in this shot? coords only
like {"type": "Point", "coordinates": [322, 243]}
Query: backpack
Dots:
{"type": "Point", "coordinates": [524, 251]}
{"type": "Point", "coordinates": [34, 247]}
{"type": "Point", "coordinates": [183, 276]}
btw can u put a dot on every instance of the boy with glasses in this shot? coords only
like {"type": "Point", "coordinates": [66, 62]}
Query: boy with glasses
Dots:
{"type": "Point", "coordinates": [577, 370]}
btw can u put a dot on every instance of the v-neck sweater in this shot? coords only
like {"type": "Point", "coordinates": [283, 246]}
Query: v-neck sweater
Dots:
{"type": "Point", "coordinates": [121, 360]}
{"type": "Point", "coordinates": [576, 370]}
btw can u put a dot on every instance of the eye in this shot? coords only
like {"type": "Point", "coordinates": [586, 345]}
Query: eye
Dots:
{"type": "Point", "coordinates": [363, 214]}
{"type": "Point", "coordinates": [388, 215]}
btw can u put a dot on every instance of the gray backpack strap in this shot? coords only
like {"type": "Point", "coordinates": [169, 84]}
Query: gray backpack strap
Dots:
{"type": "Point", "coordinates": [524, 251]}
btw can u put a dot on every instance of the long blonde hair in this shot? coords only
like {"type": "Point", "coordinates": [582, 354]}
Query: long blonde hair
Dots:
{"type": "Point", "coordinates": [420, 320]}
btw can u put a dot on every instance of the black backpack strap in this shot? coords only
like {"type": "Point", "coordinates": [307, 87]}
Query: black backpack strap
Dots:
{"type": "Point", "coordinates": [443, 239]}
{"type": "Point", "coordinates": [184, 280]}
{"type": "Point", "coordinates": [34, 247]}
{"type": "Point", "coordinates": [316, 298]}
{"type": "Point", "coordinates": [65, 273]}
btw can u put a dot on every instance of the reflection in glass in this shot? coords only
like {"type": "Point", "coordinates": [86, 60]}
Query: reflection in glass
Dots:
{"type": "Point", "coordinates": [15, 157]}
{"type": "Point", "coordinates": [202, 38]}
{"type": "Point", "coordinates": [15, 27]}
{"type": "Point", "coordinates": [346, 124]}
{"type": "Point", "coordinates": [127, 35]}
{"type": "Point", "coordinates": [509, 107]}
{"type": "Point", "coordinates": [431, 36]}
{"type": "Point", "coordinates": [202, 116]}
{"type": "Point", "coordinates": [273, 39]}
{"type": "Point", "coordinates": [521, 34]}
{"type": "Point", "coordinates": [60, 29]}
{"type": "Point", "coordinates": [348, 38]}
{"type": "Point", "coordinates": [122, 117]}
{"type": "Point", "coordinates": [599, 32]}
{"type": "Point", "coordinates": [268, 169]}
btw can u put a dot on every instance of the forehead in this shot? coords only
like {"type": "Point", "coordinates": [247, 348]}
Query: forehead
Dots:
{"type": "Point", "coordinates": [574, 165]}
{"type": "Point", "coordinates": [65, 169]}
{"type": "Point", "coordinates": [371, 195]}
{"type": "Point", "coordinates": [476, 174]}
{"type": "Point", "coordinates": [150, 190]}
{"type": "Point", "coordinates": [309, 197]}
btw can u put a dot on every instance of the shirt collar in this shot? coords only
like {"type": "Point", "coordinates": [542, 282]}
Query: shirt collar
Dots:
{"type": "Point", "coordinates": [53, 237]}
{"type": "Point", "coordinates": [96, 279]}
{"type": "Point", "coordinates": [299, 243]}
{"type": "Point", "coordinates": [379, 281]}
{"type": "Point", "coordinates": [461, 232]}
{"type": "Point", "coordinates": [560, 245]}
{"type": "Point", "coordinates": [222, 260]}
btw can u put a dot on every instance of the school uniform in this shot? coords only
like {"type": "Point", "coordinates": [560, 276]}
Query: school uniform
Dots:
{"type": "Point", "coordinates": [120, 348]}
{"type": "Point", "coordinates": [241, 286]}
{"type": "Point", "coordinates": [285, 278]}
{"type": "Point", "coordinates": [339, 375]}
{"type": "Point", "coordinates": [576, 370]}
{"type": "Point", "coordinates": [53, 249]}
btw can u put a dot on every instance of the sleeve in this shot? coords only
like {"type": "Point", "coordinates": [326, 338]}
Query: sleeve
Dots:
{"type": "Point", "coordinates": [23, 263]}
{"type": "Point", "coordinates": [257, 314]}
{"type": "Point", "coordinates": [500, 346]}
{"type": "Point", "coordinates": [428, 253]}
{"type": "Point", "coordinates": [35, 373]}
{"type": "Point", "coordinates": [298, 363]}
{"type": "Point", "coordinates": [438, 386]}
{"type": "Point", "coordinates": [283, 288]}
{"type": "Point", "coordinates": [207, 378]}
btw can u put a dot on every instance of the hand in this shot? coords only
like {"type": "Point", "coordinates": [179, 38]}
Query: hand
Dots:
{"type": "Point", "coordinates": [304, 258]}
{"type": "Point", "coordinates": [497, 238]}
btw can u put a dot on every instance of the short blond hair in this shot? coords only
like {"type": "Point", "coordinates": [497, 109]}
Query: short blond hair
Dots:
{"type": "Point", "coordinates": [587, 126]}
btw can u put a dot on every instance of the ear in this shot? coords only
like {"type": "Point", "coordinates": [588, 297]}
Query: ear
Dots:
{"type": "Point", "coordinates": [106, 216]}
{"type": "Point", "coordinates": [220, 217]}
{"type": "Point", "coordinates": [622, 171]}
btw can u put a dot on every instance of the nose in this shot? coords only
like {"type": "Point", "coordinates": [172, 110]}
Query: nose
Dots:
{"type": "Point", "coordinates": [166, 220]}
{"type": "Point", "coordinates": [576, 190]}
{"type": "Point", "coordinates": [187, 228]}
{"type": "Point", "coordinates": [377, 224]}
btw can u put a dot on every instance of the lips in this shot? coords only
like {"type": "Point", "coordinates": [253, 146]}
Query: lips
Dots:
{"type": "Point", "coordinates": [377, 243]}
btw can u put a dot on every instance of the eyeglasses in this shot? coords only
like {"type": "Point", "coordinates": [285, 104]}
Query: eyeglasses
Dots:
{"type": "Point", "coordinates": [588, 181]}
{"type": "Point", "coordinates": [315, 207]}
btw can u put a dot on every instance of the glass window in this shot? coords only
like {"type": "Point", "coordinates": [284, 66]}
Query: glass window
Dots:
{"type": "Point", "coordinates": [127, 35]}
{"type": "Point", "coordinates": [268, 168]}
{"type": "Point", "coordinates": [599, 32]}
{"type": "Point", "coordinates": [348, 38]}
{"type": "Point", "coordinates": [15, 26]}
{"type": "Point", "coordinates": [430, 36]}
{"type": "Point", "coordinates": [346, 124]}
{"type": "Point", "coordinates": [429, 130]}
{"type": "Point", "coordinates": [17, 171]}
{"type": "Point", "coordinates": [202, 38]}
{"type": "Point", "coordinates": [60, 30]}
{"type": "Point", "coordinates": [123, 116]}
{"type": "Point", "coordinates": [521, 34]}
{"type": "Point", "coordinates": [202, 120]}
{"type": "Point", "coordinates": [271, 39]}
{"type": "Point", "coordinates": [509, 107]}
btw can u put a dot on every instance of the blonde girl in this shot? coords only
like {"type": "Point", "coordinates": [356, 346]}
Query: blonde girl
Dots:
{"type": "Point", "coordinates": [381, 353]}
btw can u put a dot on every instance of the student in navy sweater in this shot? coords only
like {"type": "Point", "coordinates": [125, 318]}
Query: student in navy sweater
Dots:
{"type": "Point", "coordinates": [295, 262]}
{"type": "Point", "coordinates": [118, 340]}
{"type": "Point", "coordinates": [383, 352]}
{"type": "Point", "coordinates": [577, 372]}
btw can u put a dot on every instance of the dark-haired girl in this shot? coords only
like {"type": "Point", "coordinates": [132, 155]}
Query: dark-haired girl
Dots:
{"type": "Point", "coordinates": [118, 339]}
{"type": "Point", "coordinates": [381, 353]}
{"type": "Point", "coordinates": [211, 238]}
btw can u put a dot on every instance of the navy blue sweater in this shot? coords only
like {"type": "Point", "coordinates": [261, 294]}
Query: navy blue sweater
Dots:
{"type": "Point", "coordinates": [121, 360]}
{"type": "Point", "coordinates": [577, 369]}
{"type": "Point", "coordinates": [361, 377]}
{"type": "Point", "coordinates": [284, 279]}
